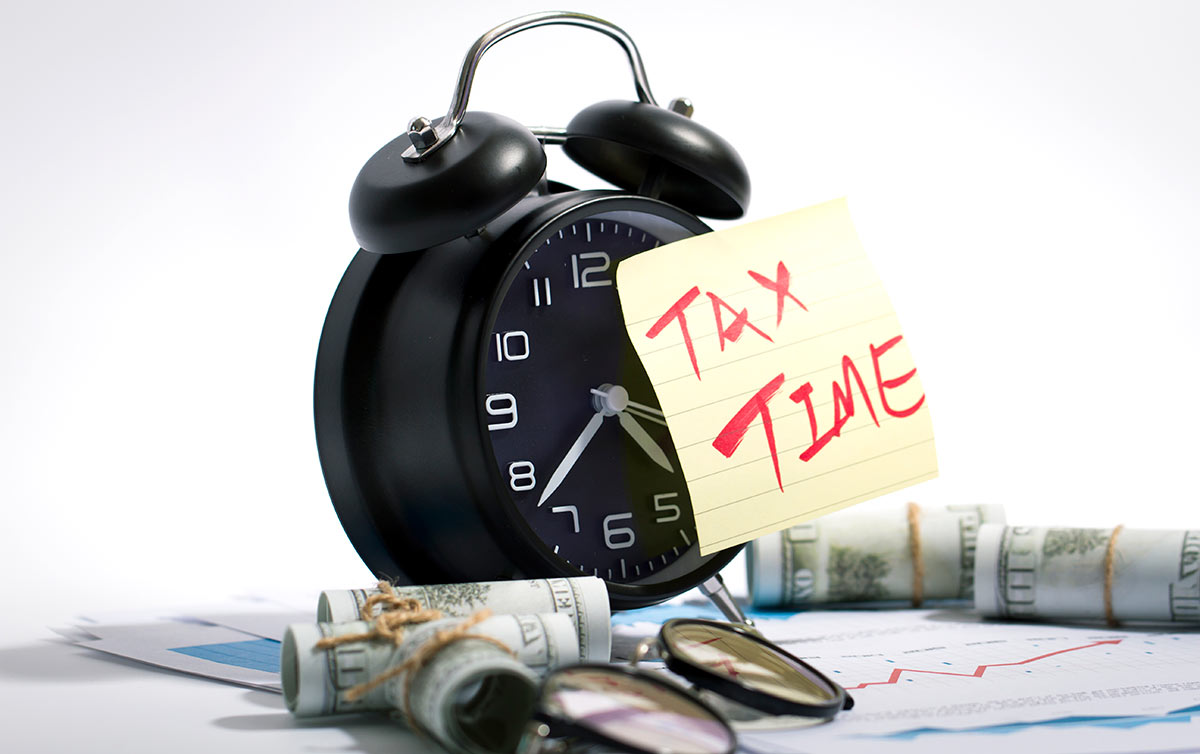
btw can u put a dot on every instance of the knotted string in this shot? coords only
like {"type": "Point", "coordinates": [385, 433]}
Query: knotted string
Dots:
{"type": "Point", "coordinates": [396, 612]}
{"type": "Point", "coordinates": [914, 546]}
{"type": "Point", "coordinates": [1109, 566]}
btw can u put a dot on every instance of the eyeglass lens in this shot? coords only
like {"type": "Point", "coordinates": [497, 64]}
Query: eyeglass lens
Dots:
{"type": "Point", "coordinates": [637, 712]}
{"type": "Point", "coordinates": [752, 664]}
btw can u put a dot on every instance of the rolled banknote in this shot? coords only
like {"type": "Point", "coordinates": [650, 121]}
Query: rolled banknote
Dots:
{"type": "Point", "coordinates": [583, 598]}
{"type": "Point", "coordinates": [471, 695]}
{"type": "Point", "coordinates": [1141, 575]}
{"type": "Point", "coordinates": [474, 698]}
{"type": "Point", "coordinates": [315, 680]}
{"type": "Point", "coordinates": [854, 558]}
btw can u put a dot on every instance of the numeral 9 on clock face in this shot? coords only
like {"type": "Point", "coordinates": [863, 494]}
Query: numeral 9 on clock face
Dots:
{"type": "Point", "coordinates": [502, 405]}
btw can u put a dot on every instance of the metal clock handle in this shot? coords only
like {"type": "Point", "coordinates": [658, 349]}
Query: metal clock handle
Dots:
{"type": "Point", "coordinates": [429, 137]}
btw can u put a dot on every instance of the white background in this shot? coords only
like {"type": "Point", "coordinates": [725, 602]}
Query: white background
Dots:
{"type": "Point", "coordinates": [173, 188]}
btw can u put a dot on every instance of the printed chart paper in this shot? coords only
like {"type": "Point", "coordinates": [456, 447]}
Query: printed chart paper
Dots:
{"type": "Point", "coordinates": [196, 648]}
{"type": "Point", "coordinates": [781, 369]}
{"type": "Point", "coordinates": [928, 681]}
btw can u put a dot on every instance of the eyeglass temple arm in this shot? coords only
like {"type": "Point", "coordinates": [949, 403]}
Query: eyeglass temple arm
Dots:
{"type": "Point", "coordinates": [714, 588]}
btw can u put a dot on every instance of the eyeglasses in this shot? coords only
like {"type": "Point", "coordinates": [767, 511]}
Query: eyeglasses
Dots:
{"type": "Point", "coordinates": [640, 711]}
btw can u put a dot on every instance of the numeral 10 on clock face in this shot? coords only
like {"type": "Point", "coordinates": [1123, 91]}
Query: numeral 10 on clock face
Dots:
{"type": "Point", "coordinates": [512, 345]}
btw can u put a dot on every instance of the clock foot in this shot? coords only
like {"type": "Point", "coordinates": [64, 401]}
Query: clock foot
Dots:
{"type": "Point", "coordinates": [714, 588]}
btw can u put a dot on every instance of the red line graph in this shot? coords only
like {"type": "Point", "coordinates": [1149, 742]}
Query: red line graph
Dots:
{"type": "Point", "coordinates": [980, 670]}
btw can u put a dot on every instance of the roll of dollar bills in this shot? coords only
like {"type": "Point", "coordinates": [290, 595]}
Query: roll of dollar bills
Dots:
{"type": "Point", "coordinates": [584, 599]}
{"type": "Point", "coordinates": [471, 695]}
{"type": "Point", "coordinates": [473, 698]}
{"type": "Point", "coordinates": [854, 558]}
{"type": "Point", "coordinates": [315, 680]}
{"type": "Point", "coordinates": [1086, 574]}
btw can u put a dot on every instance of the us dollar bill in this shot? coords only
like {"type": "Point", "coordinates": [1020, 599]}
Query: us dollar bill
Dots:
{"type": "Point", "coordinates": [583, 598]}
{"type": "Point", "coordinates": [474, 699]}
{"type": "Point", "coordinates": [471, 695]}
{"type": "Point", "coordinates": [865, 559]}
{"type": "Point", "coordinates": [1032, 572]}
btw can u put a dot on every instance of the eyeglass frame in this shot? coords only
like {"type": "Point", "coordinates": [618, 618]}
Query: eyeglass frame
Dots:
{"type": "Point", "coordinates": [704, 678]}
{"type": "Point", "coordinates": [544, 725]}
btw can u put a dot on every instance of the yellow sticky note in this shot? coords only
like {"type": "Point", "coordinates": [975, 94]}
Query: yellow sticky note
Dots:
{"type": "Point", "coordinates": [780, 366]}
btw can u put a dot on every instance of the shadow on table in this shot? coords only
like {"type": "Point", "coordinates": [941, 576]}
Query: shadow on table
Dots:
{"type": "Point", "coordinates": [58, 660]}
{"type": "Point", "coordinates": [372, 734]}
{"type": "Point", "coordinates": [54, 660]}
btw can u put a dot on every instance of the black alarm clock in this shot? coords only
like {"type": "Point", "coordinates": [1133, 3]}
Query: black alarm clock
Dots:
{"type": "Point", "coordinates": [480, 411]}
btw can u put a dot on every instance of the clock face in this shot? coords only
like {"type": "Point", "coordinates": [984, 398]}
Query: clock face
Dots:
{"type": "Point", "coordinates": [575, 427]}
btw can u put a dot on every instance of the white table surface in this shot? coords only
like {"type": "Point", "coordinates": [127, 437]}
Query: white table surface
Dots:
{"type": "Point", "coordinates": [58, 698]}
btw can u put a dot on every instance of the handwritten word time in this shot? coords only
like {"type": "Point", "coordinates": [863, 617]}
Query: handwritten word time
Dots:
{"type": "Point", "coordinates": [731, 436]}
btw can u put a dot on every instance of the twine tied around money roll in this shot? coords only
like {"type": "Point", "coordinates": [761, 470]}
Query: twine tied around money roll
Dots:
{"type": "Point", "coordinates": [389, 601]}
{"type": "Point", "coordinates": [395, 613]}
{"type": "Point", "coordinates": [914, 545]}
{"type": "Point", "coordinates": [1109, 566]}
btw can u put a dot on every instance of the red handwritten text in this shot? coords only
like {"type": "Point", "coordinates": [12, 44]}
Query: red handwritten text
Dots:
{"type": "Point", "coordinates": [731, 333]}
{"type": "Point", "coordinates": [734, 331]}
{"type": "Point", "coordinates": [676, 311]}
{"type": "Point", "coordinates": [731, 436]}
{"type": "Point", "coordinates": [735, 431]}
{"type": "Point", "coordinates": [779, 285]}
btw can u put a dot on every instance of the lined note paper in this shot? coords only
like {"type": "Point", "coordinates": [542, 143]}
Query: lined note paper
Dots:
{"type": "Point", "coordinates": [780, 366]}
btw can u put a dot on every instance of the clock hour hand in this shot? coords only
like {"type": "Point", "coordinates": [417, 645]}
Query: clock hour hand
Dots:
{"type": "Point", "coordinates": [644, 440]}
{"type": "Point", "coordinates": [573, 454]}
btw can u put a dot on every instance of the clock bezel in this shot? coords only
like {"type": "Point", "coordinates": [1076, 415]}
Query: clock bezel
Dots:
{"type": "Point", "coordinates": [525, 237]}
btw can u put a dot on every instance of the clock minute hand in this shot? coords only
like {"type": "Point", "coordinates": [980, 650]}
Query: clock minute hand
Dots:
{"type": "Point", "coordinates": [644, 408]}
{"type": "Point", "coordinates": [644, 440]}
{"type": "Point", "coordinates": [637, 413]}
{"type": "Point", "coordinates": [573, 454]}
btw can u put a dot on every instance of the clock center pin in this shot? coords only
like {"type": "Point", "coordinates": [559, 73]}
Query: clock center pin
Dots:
{"type": "Point", "coordinates": [611, 399]}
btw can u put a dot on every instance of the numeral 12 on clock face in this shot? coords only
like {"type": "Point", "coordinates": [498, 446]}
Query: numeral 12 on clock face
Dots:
{"type": "Point", "coordinates": [590, 275]}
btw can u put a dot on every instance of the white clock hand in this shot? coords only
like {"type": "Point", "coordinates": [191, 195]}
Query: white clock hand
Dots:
{"type": "Point", "coordinates": [643, 408]}
{"type": "Point", "coordinates": [641, 414]}
{"type": "Point", "coordinates": [573, 454]}
{"type": "Point", "coordinates": [644, 440]}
